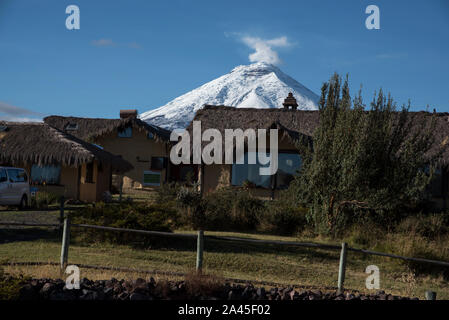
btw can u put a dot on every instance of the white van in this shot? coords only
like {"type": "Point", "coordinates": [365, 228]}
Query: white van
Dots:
{"type": "Point", "coordinates": [14, 187]}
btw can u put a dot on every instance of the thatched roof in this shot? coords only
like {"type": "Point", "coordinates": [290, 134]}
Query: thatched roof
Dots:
{"type": "Point", "coordinates": [90, 128]}
{"type": "Point", "coordinates": [39, 143]}
{"type": "Point", "coordinates": [296, 123]}
{"type": "Point", "coordinates": [291, 123]}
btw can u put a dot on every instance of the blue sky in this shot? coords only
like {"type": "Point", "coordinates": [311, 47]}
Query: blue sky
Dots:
{"type": "Point", "coordinates": [142, 54]}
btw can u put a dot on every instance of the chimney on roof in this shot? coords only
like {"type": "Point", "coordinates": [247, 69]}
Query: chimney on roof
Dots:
{"type": "Point", "coordinates": [130, 113]}
{"type": "Point", "coordinates": [290, 101]}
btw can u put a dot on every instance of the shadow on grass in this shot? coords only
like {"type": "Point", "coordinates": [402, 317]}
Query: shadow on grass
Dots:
{"type": "Point", "coordinates": [143, 242]}
{"type": "Point", "coordinates": [8, 235]}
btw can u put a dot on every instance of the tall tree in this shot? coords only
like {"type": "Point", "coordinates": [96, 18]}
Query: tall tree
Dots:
{"type": "Point", "coordinates": [363, 161]}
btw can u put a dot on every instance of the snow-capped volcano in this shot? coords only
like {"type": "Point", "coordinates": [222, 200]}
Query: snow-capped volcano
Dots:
{"type": "Point", "coordinates": [258, 85]}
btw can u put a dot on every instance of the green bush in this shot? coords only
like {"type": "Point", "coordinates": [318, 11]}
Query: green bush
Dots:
{"type": "Point", "coordinates": [224, 209]}
{"type": "Point", "coordinates": [43, 199]}
{"type": "Point", "coordinates": [246, 211]}
{"type": "Point", "coordinates": [282, 217]}
{"type": "Point", "coordinates": [141, 216]}
{"type": "Point", "coordinates": [188, 197]}
{"type": "Point", "coordinates": [167, 192]}
{"type": "Point", "coordinates": [232, 209]}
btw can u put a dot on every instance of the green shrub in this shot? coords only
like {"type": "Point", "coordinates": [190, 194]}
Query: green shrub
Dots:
{"type": "Point", "coordinates": [246, 211]}
{"type": "Point", "coordinates": [224, 209]}
{"type": "Point", "coordinates": [141, 216]}
{"type": "Point", "coordinates": [167, 192]}
{"type": "Point", "coordinates": [188, 197]}
{"type": "Point", "coordinates": [191, 207]}
{"type": "Point", "coordinates": [43, 199]}
{"type": "Point", "coordinates": [282, 217]}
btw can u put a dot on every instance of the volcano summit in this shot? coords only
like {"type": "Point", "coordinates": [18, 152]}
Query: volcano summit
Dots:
{"type": "Point", "coordinates": [258, 85]}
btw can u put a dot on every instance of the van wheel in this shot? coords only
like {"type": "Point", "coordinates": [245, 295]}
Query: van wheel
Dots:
{"type": "Point", "coordinates": [23, 203]}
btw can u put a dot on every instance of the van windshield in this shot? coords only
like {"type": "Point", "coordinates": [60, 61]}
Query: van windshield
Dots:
{"type": "Point", "coordinates": [3, 176]}
{"type": "Point", "coordinates": [17, 175]}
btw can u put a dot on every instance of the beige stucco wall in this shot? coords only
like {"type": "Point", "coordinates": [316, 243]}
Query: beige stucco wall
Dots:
{"type": "Point", "coordinates": [69, 179]}
{"type": "Point", "coordinates": [137, 150]}
{"type": "Point", "coordinates": [88, 191]}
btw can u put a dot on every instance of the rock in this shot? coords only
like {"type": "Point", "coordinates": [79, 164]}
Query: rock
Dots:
{"type": "Point", "coordinates": [232, 295]}
{"type": "Point", "coordinates": [382, 297]}
{"type": "Point", "coordinates": [261, 293]}
{"type": "Point", "coordinates": [123, 296]}
{"type": "Point", "coordinates": [294, 295]}
{"type": "Point", "coordinates": [138, 297]}
{"type": "Point", "coordinates": [140, 289]}
{"type": "Point", "coordinates": [28, 292]}
{"type": "Point", "coordinates": [108, 291]}
{"type": "Point", "coordinates": [47, 288]}
{"type": "Point", "coordinates": [350, 297]}
{"type": "Point", "coordinates": [302, 294]}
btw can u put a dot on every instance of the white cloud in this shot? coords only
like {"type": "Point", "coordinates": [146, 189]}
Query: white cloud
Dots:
{"type": "Point", "coordinates": [111, 43]}
{"type": "Point", "coordinates": [264, 48]}
{"type": "Point", "coordinates": [103, 43]}
{"type": "Point", "coordinates": [12, 113]}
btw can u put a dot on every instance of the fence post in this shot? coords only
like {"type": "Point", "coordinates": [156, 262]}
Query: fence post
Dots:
{"type": "Point", "coordinates": [65, 243]}
{"type": "Point", "coordinates": [342, 268]}
{"type": "Point", "coordinates": [431, 295]}
{"type": "Point", "coordinates": [61, 213]}
{"type": "Point", "coordinates": [121, 189]}
{"type": "Point", "coordinates": [199, 251]}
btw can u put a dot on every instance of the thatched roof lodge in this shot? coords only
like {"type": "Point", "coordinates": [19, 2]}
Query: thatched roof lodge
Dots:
{"type": "Point", "coordinates": [292, 125]}
{"type": "Point", "coordinates": [143, 145]}
{"type": "Point", "coordinates": [57, 161]}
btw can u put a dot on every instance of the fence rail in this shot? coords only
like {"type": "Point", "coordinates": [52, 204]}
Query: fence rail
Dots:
{"type": "Point", "coordinates": [201, 238]}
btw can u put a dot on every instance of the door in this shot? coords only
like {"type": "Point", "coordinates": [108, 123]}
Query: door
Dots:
{"type": "Point", "coordinates": [16, 181]}
{"type": "Point", "coordinates": [5, 188]}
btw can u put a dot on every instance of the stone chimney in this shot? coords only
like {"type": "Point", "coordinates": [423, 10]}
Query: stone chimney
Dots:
{"type": "Point", "coordinates": [130, 113]}
{"type": "Point", "coordinates": [290, 101]}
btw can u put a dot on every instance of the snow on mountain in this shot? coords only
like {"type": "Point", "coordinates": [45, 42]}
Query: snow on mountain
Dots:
{"type": "Point", "coordinates": [258, 85]}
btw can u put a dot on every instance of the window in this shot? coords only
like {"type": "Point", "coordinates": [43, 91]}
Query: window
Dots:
{"type": "Point", "coordinates": [125, 132]}
{"type": "Point", "coordinates": [151, 178]}
{"type": "Point", "coordinates": [45, 174]}
{"type": "Point", "coordinates": [158, 163]}
{"type": "Point", "coordinates": [3, 176]}
{"type": "Point", "coordinates": [249, 172]}
{"type": "Point", "coordinates": [288, 164]}
{"type": "Point", "coordinates": [89, 173]}
{"type": "Point", "coordinates": [71, 127]}
{"type": "Point", "coordinates": [17, 175]}
{"type": "Point", "coordinates": [150, 135]}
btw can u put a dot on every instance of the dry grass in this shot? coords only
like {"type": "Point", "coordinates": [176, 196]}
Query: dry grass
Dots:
{"type": "Point", "coordinates": [253, 262]}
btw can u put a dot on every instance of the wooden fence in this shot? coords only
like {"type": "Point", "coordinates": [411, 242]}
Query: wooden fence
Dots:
{"type": "Point", "coordinates": [67, 225]}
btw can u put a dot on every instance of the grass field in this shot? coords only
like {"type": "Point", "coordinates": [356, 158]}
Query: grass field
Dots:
{"type": "Point", "coordinates": [253, 262]}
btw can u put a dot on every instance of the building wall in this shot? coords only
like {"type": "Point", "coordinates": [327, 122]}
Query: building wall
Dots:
{"type": "Point", "coordinates": [103, 182]}
{"type": "Point", "coordinates": [137, 150]}
{"type": "Point", "coordinates": [69, 179]}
